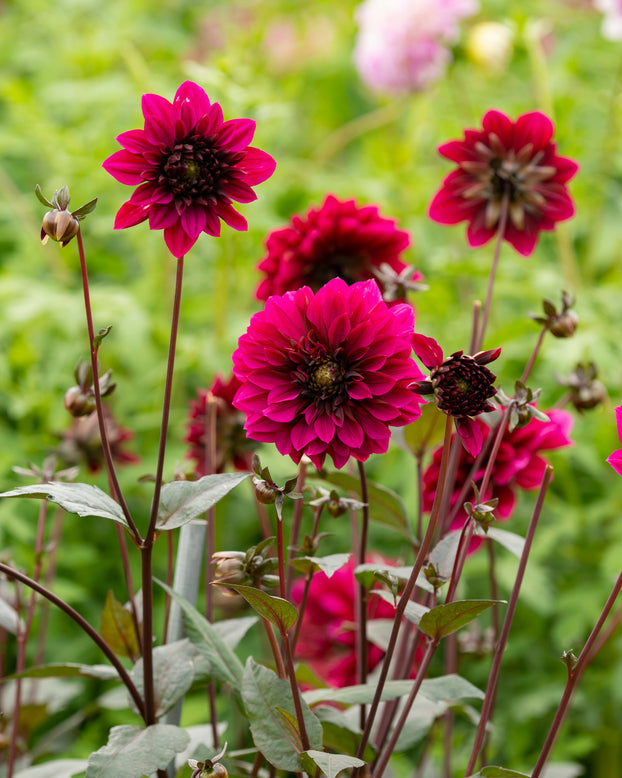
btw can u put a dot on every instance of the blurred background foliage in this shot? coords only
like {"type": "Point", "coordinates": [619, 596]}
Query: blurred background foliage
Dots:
{"type": "Point", "coordinates": [73, 73]}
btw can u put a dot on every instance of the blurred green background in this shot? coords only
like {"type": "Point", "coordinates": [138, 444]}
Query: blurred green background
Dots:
{"type": "Point", "coordinates": [73, 72]}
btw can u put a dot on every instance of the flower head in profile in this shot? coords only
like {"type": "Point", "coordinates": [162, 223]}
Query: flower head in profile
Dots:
{"type": "Point", "coordinates": [189, 166]}
{"type": "Point", "coordinates": [403, 45]}
{"type": "Point", "coordinates": [615, 460]}
{"type": "Point", "coordinates": [519, 463]}
{"type": "Point", "coordinates": [327, 640]}
{"type": "Point", "coordinates": [337, 240]}
{"type": "Point", "coordinates": [515, 163]}
{"type": "Point", "coordinates": [232, 446]}
{"type": "Point", "coordinates": [461, 385]}
{"type": "Point", "coordinates": [327, 373]}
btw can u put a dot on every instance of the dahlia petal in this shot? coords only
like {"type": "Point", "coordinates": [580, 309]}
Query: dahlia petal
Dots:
{"type": "Point", "coordinates": [457, 151]}
{"type": "Point", "coordinates": [534, 128]}
{"type": "Point", "coordinates": [126, 167]}
{"type": "Point", "coordinates": [499, 124]}
{"type": "Point", "coordinates": [530, 477]}
{"type": "Point", "coordinates": [380, 383]}
{"type": "Point", "coordinates": [428, 350]}
{"type": "Point", "coordinates": [231, 217]}
{"type": "Point", "coordinates": [192, 103]}
{"type": "Point", "coordinates": [350, 433]}
{"type": "Point", "coordinates": [282, 412]}
{"type": "Point", "coordinates": [523, 241]}
{"type": "Point", "coordinates": [478, 235]}
{"type": "Point", "coordinates": [236, 134]}
{"type": "Point", "coordinates": [565, 169]}
{"type": "Point", "coordinates": [359, 391]}
{"type": "Point", "coordinates": [162, 216]}
{"type": "Point", "coordinates": [159, 120]}
{"type": "Point", "coordinates": [178, 241]}
{"type": "Point", "coordinates": [258, 166]}
{"type": "Point", "coordinates": [129, 215]}
{"type": "Point", "coordinates": [615, 460]}
{"type": "Point", "coordinates": [339, 329]}
{"type": "Point", "coordinates": [470, 434]}
{"type": "Point", "coordinates": [324, 427]}
{"type": "Point", "coordinates": [134, 141]}
{"type": "Point", "coordinates": [193, 220]}
{"type": "Point", "coordinates": [239, 191]}
{"type": "Point", "coordinates": [302, 435]}
{"type": "Point", "coordinates": [212, 222]}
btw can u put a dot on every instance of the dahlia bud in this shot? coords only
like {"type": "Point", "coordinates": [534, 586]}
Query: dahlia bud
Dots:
{"type": "Point", "coordinates": [266, 493]}
{"type": "Point", "coordinates": [79, 403]}
{"type": "Point", "coordinates": [80, 399]}
{"type": "Point", "coordinates": [210, 768]}
{"type": "Point", "coordinates": [60, 224]}
{"type": "Point", "coordinates": [562, 324]}
{"type": "Point", "coordinates": [522, 406]}
{"type": "Point", "coordinates": [584, 391]}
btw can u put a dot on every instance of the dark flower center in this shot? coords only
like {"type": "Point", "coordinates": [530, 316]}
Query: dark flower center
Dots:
{"type": "Point", "coordinates": [462, 387]}
{"type": "Point", "coordinates": [325, 378]}
{"type": "Point", "coordinates": [351, 267]}
{"type": "Point", "coordinates": [195, 170]}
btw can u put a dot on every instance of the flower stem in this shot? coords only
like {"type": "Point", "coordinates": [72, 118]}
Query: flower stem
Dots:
{"type": "Point", "coordinates": [305, 594]}
{"type": "Point", "coordinates": [503, 217]}
{"type": "Point", "coordinates": [507, 623]}
{"type": "Point", "coordinates": [408, 589]}
{"type": "Point", "coordinates": [361, 630]}
{"type": "Point", "coordinates": [534, 355]}
{"type": "Point", "coordinates": [296, 519]}
{"type": "Point", "coordinates": [103, 433]}
{"type": "Point", "coordinates": [84, 625]}
{"type": "Point", "coordinates": [291, 673]}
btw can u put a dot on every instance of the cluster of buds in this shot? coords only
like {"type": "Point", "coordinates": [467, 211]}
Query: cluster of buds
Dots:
{"type": "Point", "coordinates": [562, 324]}
{"type": "Point", "coordinates": [584, 390]}
{"type": "Point", "coordinates": [60, 223]}
{"type": "Point", "coordinates": [80, 399]}
{"type": "Point", "coordinates": [522, 408]}
{"type": "Point", "coordinates": [254, 567]}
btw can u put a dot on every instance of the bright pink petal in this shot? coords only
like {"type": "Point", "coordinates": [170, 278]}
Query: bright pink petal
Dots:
{"type": "Point", "coordinates": [126, 167]}
{"type": "Point", "coordinates": [178, 241]}
{"type": "Point", "coordinates": [428, 350]}
{"type": "Point", "coordinates": [470, 434]}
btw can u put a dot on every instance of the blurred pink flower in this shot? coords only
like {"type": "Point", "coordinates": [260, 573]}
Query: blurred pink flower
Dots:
{"type": "Point", "coordinates": [327, 373]}
{"type": "Point", "coordinates": [337, 240]}
{"type": "Point", "coordinates": [615, 460]}
{"type": "Point", "coordinates": [519, 464]}
{"type": "Point", "coordinates": [188, 165]}
{"type": "Point", "coordinates": [402, 45]}
{"type": "Point", "coordinates": [327, 641]}
{"type": "Point", "coordinates": [232, 445]}
{"type": "Point", "coordinates": [509, 159]}
{"type": "Point", "coordinates": [612, 23]}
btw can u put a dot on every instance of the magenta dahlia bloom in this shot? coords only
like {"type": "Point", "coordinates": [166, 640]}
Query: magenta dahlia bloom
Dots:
{"type": "Point", "coordinates": [327, 373]}
{"type": "Point", "coordinates": [506, 159]}
{"type": "Point", "coordinates": [232, 445]}
{"type": "Point", "coordinates": [615, 460]}
{"type": "Point", "coordinates": [519, 463]}
{"type": "Point", "coordinates": [327, 641]}
{"type": "Point", "coordinates": [337, 240]}
{"type": "Point", "coordinates": [461, 385]}
{"type": "Point", "coordinates": [189, 165]}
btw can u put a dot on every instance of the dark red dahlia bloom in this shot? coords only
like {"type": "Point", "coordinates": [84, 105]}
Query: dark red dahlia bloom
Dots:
{"type": "Point", "coordinates": [337, 240]}
{"type": "Point", "coordinates": [461, 385]}
{"type": "Point", "coordinates": [519, 463]}
{"type": "Point", "coordinates": [327, 373]}
{"type": "Point", "coordinates": [515, 160]}
{"type": "Point", "coordinates": [327, 640]}
{"type": "Point", "coordinates": [189, 165]}
{"type": "Point", "coordinates": [232, 445]}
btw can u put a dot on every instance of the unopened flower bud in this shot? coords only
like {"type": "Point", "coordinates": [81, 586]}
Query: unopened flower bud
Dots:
{"type": "Point", "coordinates": [562, 324]}
{"type": "Point", "coordinates": [266, 494]}
{"type": "Point", "coordinates": [59, 225]}
{"type": "Point", "coordinates": [585, 391]}
{"type": "Point", "coordinates": [79, 403]}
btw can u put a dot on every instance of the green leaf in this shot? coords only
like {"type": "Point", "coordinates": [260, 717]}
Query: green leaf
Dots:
{"type": "Point", "coordinates": [339, 732]}
{"type": "Point", "coordinates": [426, 431]}
{"type": "Point", "coordinates": [224, 664]}
{"type": "Point", "coordinates": [183, 501]}
{"type": "Point", "coordinates": [450, 687]}
{"type": "Point", "coordinates": [173, 672]}
{"type": "Point", "coordinates": [367, 572]}
{"type": "Point", "coordinates": [278, 611]}
{"type": "Point", "coordinates": [59, 768]}
{"type": "Point", "coordinates": [443, 555]}
{"type": "Point", "coordinates": [118, 629]}
{"type": "Point", "coordinates": [9, 618]}
{"type": "Point", "coordinates": [499, 772]}
{"type": "Point", "coordinates": [385, 506]}
{"type": "Point", "coordinates": [233, 630]}
{"type": "Point", "coordinates": [510, 540]}
{"type": "Point", "coordinates": [100, 336]}
{"type": "Point", "coordinates": [266, 697]}
{"type": "Point", "coordinates": [83, 499]}
{"type": "Point", "coordinates": [327, 564]}
{"type": "Point", "coordinates": [332, 764]}
{"type": "Point", "coordinates": [445, 619]}
{"type": "Point", "coordinates": [132, 752]}
{"type": "Point", "coordinates": [414, 610]}
{"type": "Point", "coordinates": [67, 670]}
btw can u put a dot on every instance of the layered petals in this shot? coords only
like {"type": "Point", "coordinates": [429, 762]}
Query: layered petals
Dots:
{"type": "Point", "coordinates": [189, 159]}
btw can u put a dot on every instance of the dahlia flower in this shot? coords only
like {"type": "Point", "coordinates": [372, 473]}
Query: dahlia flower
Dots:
{"type": "Point", "coordinates": [81, 442]}
{"type": "Point", "coordinates": [232, 445]}
{"type": "Point", "coordinates": [327, 641]}
{"type": "Point", "coordinates": [337, 240]}
{"type": "Point", "coordinates": [519, 463]}
{"type": "Point", "coordinates": [615, 460]}
{"type": "Point", "coordinates": [327, 373]}
{"type": "Point", "coordinates": [505, 159]}
{"type": "Point", "coordinates": [189, 165]}
{"type": "Point", "coordinates": [402, 45]}
{"type": "Point", "coordinates": [611, 27]}
{"type": "Point", "coordinates": [461, 385]}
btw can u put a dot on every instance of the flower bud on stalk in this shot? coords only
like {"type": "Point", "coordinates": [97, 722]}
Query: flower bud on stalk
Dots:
{"type": "Point", "coordinates": [562, 324]}
{"type": "Point", "coordinates": [60, 224]}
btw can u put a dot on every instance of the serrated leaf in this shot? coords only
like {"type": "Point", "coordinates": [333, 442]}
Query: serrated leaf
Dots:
{"type": "Point", "coordinates": [385, 506]}
{"type": "Point", "coordinates": [333, 764]}
{"type": "Point", "coordinates": [118, 628]}
{"type": "Point", "coordinates": [414, 610]}
{"type": "Point", "coordinates": [278, 611]}
{"type": "Point", "coordinates": [445, 619]}
{"type": "Point", "coordinates": [264, 694]}
{"type": "Point", "coordinates": [83, 499]}
{"type": "Point", "coordinates": [173, 673]}
{"type": "Point", "coordinates": [224, 664]}
{"type": "Point", "coordinates": [327, 564]}
{"type": "Point", "coordinates": [59, 768]}
{"type": "Point", "coordinates": [498, 772]}
{"type": "Point", "coordinates": [132, 752]}
{"type": "Point", "coordinates": [68, 670]}
{"type": "Point", "coordinates": [184, 501]}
